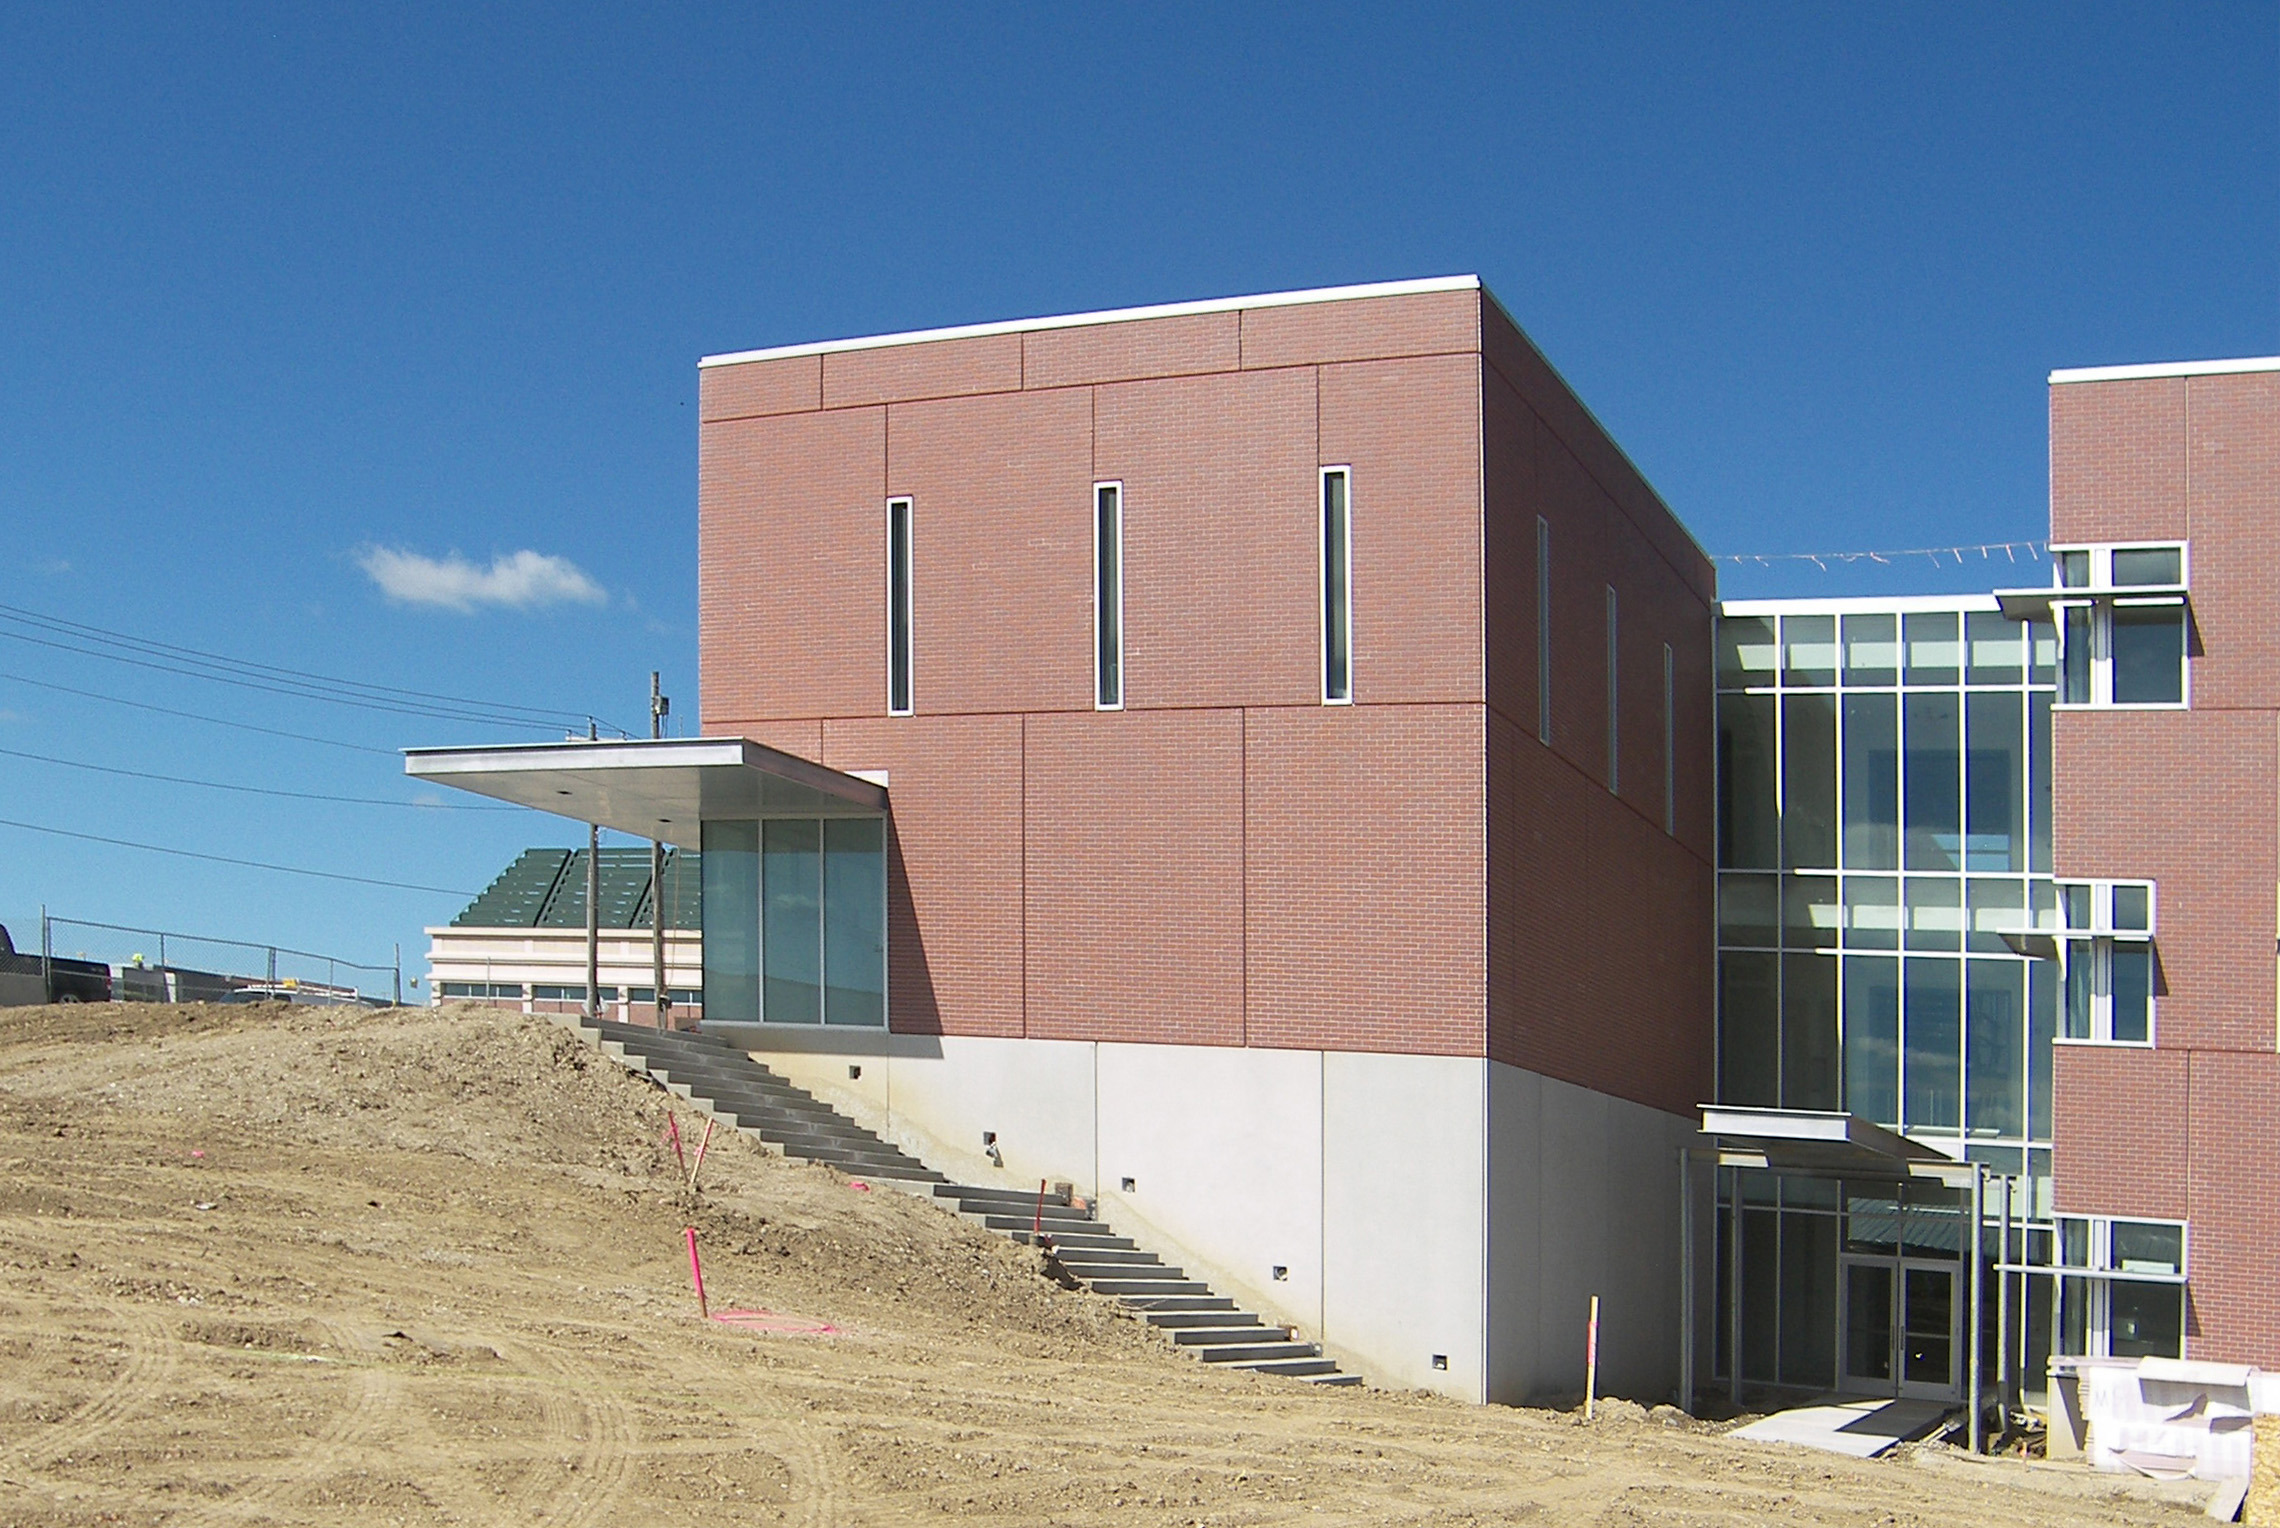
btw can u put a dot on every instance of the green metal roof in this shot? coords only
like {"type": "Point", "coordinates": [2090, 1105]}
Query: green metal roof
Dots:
{"type": "Point", "coordinates": [546, 888]}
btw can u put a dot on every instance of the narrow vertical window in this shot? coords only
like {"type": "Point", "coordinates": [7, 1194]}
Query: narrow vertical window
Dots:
{"type": "Point", "coordinates": [898, 607]}
{"type": "Point", "coordinates": [1614, 693]}
{"type": "Point", "coordinates": [1543, 630]}
{"type": "Point", "coordinates": [1337, 590]}
{"type": "Point", "coordinates": [1108, 596]}
{"type": "Point", "coordinates": [1670, 745]}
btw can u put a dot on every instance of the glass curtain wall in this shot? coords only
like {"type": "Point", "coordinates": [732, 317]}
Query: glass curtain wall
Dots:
{"type": "Point", "coordinates": [1883, 821]}
{"type": "Point", "coordinates": [796, 921]}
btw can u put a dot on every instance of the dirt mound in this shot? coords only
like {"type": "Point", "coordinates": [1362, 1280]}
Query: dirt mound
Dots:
{"type": "Point", "coordinates": [311, 1265]}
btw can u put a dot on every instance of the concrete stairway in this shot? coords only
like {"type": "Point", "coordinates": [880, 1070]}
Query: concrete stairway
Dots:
{"type": "Point", "coordinates": [744, 1095]}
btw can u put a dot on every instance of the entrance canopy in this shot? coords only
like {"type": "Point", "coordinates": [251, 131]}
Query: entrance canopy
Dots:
{"type": "Point", "coordinates": [1825, 1144]}
{"type": "Point", "coordinates": [660, 788]}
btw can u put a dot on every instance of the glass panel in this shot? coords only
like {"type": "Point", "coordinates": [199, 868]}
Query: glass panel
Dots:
{"type": "Point", "coordinates": [1995, 1065]}
{"type": "Point", "coordinates": [2137, 566]}
{"type": "Point", "coordinates": [2042, 643]}
{"type": "Point", "coordinates": [1809, 912]}
{"type": "Point", "coordinates": [855, 921]}
{"type": "Point", "coordinates": [1808, 1299]}
{"type": "Point", "coordinates": [1872, 649]}
{"type": "Point", "coordinates": [1933, 1020]}
{"type": "Point", "coordinates": [2080, 972]}
{"type": "Point", "coordinates": [1927, 1344]}
{"type": "Point", "coordinates": [1761, 1291]}
{"type": "Point", "coordinates": [1872, 782]}
{"type": "Point", "coordinates": [791, 922]}
{"type": "Point", "coordinates": [1809, 649]}
{"type": "Point", "coordinates": [1932, 822]}
{"type": "Point", "coordinates": [2074, 675]}
{"type": "Point", "coordinates": [1872, 1219]}
{"type": "Point", "coordinates": [1995, 795]}
{"type": "Point", "coordinates": [898, 605]}
{"type": "Point", "coordinates": [1745, 651]}
{"type": "Point", "coordinates": [730, 867]}
{"type": "Point", "coordinates": [2133, 991]}
{"type": "Point", "coordinates": [1872, 912]}
{"type": "Point", "coordinates": [2074, 899]}
{"type": "Point", "coordinates": [2042, 1024]}
{"type": "Point", "coordinates": [1809, 1193]}
{"type": "Point", "coordinates": [2038, 781]}
{"type": "Point", "coordinates": [1808, 781]}
{"type": "Point", "coordinates": [1872, 1037]}
{"type": "Point", "coordinates": [1749, 912]}
{"type": "Point", "coordinates": [1749, 820]}
{"type": "Point", "coordinates": [1337, 674]}
{"type": "Point", "coordinates": [1934, 650]}
{"type": "Point", "coordinates": [2132, 909]}
{"type": "Point", "coordinates": [1749, 1046]}
{"type": "Point", "coordinates": [1868, 1321]}
{"type": "Point", "coordinates": [1935, 914]}
{"type": "Point", "coordinates": [2149, 654]}
{"type": "Point", "coordinates": [1995, 907]}
{"type": "Point", "coordinates": [1108, 596]}
{"type": "Point", "coordinates": [2074, 1243]}
{"type": "Point", "coordinates": [2149, 1320]}
{"type": "Point", "coordinates": [1994, 647]}
{"type": "Point", "coordinates": [2145, 1247]}
{"type": "Point", "coordinates": [2074, 569]}
{"type": "Point", "coordinates": [1808, 1032]}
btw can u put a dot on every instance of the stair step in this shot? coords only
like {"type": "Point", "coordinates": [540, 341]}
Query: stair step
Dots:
{"type": "Point", "coordinates": [1074, 1256]}
{"type": "Point", "coordinates": [1330, 1376]}
{"type": "Point", "coordinates": [1077, 1240]}
{"type": "Point", "coordinates": [1176, 1305]}
{"type": "Point", "coordinates": [1219, 1320]}
{"type": "Point", "coordinates": [1147, 1287]}
{"type": "Point", "coordinates": [1319, 1369]}
{"type": "Point", "coordinates": [1248, 1353]}
{"type": "Point", "coordinates": [1223, 1336]}
{"type": "Point", "coordinates": [1024, 1222]}
{"type": "Point", "coordinates": [1151, 1271]}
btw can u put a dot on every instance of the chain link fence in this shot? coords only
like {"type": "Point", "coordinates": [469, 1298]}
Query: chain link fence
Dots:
{"type": "Point", "coordinates": [170, 966]}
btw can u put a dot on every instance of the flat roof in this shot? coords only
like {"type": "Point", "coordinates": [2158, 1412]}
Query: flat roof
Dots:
{"type": "Point", "coordinates": [2164, 369]}
{"type": "Point", "coordinates": [662, 788]}
{"type": "Point", "coordinates": [1105, 316]}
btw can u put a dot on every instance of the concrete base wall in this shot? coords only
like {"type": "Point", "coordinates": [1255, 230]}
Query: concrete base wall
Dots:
{"type": "Point", "coordinates": [1432, 1217]}
{"type": "Point", "coordinates": [1583, 1200]}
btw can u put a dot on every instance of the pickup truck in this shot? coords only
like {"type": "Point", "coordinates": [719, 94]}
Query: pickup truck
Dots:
{"type": "Point", "coordinates": [26, 979]}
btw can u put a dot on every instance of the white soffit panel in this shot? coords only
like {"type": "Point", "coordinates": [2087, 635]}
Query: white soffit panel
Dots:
{"type": "Point", "coordinates": [2165, 369]}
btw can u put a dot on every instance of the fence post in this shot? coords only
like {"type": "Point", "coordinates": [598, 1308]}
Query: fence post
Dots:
{"type": "Point", "coordinates": [272, 966]}
{"type": "Point", "coordinates": [399, 974]}
{"type": "Point", "coordinates": [47, 958]}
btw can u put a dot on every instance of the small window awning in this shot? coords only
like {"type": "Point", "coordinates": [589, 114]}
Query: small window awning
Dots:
{"type": "Point", "coordinates": [652, 788]}
{"type": "Point", "coordinates": [1826, 1144]}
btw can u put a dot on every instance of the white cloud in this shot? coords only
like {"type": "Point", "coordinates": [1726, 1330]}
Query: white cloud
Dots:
{"type": "Point", "coordinates": [524, 580]}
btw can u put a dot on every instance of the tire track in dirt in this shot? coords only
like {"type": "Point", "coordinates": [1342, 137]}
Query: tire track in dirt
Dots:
{"type": "Point", "coordinates": [349, 1436]}
{"type": "Point", "coordinates": [153, 1354]}
{"type": "Point", "coordinates": [581, 1408]}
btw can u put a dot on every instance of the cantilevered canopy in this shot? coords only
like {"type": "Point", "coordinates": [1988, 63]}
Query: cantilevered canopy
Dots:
{"type": "Point", "coordinates": [662, 788]}
{"type": "Point", "coordinates": [1827, 1144]}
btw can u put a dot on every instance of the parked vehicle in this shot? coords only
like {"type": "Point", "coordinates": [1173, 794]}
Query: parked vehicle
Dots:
{"type": "Point", "coordinates": [27, 979]}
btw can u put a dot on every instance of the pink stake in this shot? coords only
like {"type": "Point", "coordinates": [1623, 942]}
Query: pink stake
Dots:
{"type": "Point", "coordinates": [701, 1145]}
{"type": "Point", "coordinates": [673, 1134]}
{"type": "Point", "coordinates": [697, 1275]}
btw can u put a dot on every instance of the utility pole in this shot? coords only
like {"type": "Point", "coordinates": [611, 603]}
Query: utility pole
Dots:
{"type": "Point", "coordinates": [593, 905]}
{"type": "Point", "coordinates": [659, 708]}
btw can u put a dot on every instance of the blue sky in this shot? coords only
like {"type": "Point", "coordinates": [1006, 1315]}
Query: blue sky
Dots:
{"type": "Point", "coordinates": [280, 288]}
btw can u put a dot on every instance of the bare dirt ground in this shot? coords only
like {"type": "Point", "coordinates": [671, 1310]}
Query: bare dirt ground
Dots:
{"type": "Point", "coordinates": [261, 1265]}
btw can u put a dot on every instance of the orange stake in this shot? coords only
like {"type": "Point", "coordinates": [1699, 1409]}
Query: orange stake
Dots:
{"type": "Point", "coordinates": [697, 1274]}
{"type": "Point", "coordinates": [673, 1134]}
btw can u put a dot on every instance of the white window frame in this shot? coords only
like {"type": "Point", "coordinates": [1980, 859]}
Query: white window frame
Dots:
{"type": "Point", "coordinates": [1343, 617]}
{"type": "Point", "coordinates": [1101, 702]}
{"type": "Point", "coordinates": [908, 652]}
{"type": "Point", "coordinates": [2094, 940]}
{"type": "Point", "coordinates": [2096, 1278]}
{"type": "Point", "coordinates": [2101, 597]}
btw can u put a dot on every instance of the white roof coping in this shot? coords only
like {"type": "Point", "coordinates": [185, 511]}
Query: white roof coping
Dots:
{"type": "Point", "coordinates": [1106, 316]}
{"type": "Point", "coordinates": [2164, 369]}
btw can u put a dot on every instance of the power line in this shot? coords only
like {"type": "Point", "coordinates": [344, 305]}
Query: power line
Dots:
{"type": "Point", "coordinates": [219, 721]}
{"type": "Point", "coordinates": [224, 859]}
{"type": "Point", "coordinates": [259, 790]}
{"type": "Point", "coordinates": [190, 662]}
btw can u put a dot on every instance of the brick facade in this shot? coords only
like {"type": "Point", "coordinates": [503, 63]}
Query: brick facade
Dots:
{"type": "Point", "coordinates": [2191, 800]}
{"type": "Point", "coordinates": [1228, 861]}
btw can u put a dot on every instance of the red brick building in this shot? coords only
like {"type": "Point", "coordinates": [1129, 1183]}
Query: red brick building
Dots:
{"type": "Point", "coordinates": [2165, 513]}
{"type": "Point", "coordinates": [1273, 734]}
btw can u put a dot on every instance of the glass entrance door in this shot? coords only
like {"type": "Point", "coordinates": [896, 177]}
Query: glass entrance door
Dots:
{"type": "Point", "coordinates": [1899, 1328]}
